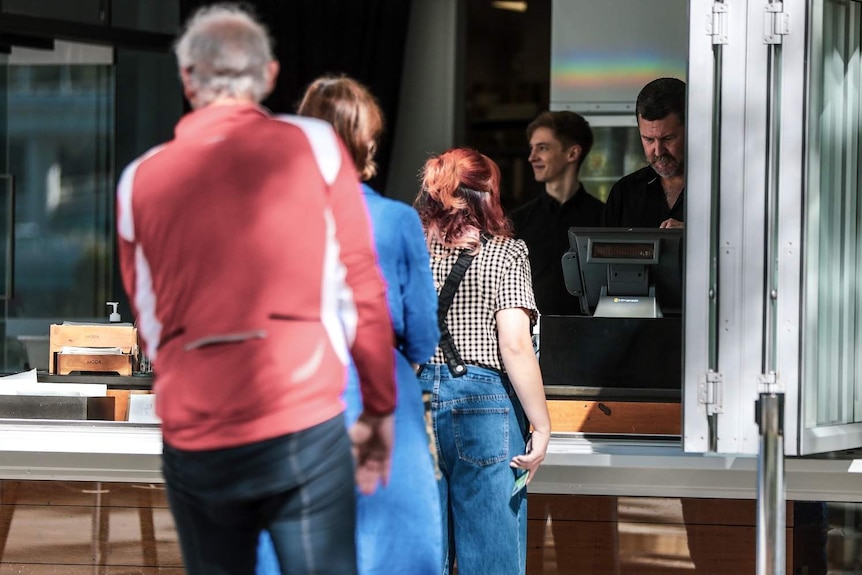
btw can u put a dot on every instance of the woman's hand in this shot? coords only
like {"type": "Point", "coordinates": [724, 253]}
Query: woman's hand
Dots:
{"type": "Point", "coordinates": [537, 448]}
{"type": "Point", "coordinates": [516, 349]}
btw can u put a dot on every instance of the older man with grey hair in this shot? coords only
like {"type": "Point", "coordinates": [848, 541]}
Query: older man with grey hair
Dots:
{"type": "Point", "coordinates": [247, 256]}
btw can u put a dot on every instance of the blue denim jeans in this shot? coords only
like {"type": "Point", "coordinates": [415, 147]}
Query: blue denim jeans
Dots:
{"type": "Point", "coordinates": [298, 486]}
{"type": "Point", "coordinates": [398, 528]}
{"type": "Point", "coordinates": [479, 426]}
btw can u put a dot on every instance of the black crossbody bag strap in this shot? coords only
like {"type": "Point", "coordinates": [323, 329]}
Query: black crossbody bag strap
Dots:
{"type": "Point", "coordinates": [444, 301]}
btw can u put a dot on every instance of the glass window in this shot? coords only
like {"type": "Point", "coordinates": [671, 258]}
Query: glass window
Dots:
{"type": "Point", "coordinates": [617, 151]}
{"type": "Point", "coordinates": [58, 132]}
{"type": "Point", "coordinates": [70, 119]}
{"type": "Point", "coordinates": [834, 258]}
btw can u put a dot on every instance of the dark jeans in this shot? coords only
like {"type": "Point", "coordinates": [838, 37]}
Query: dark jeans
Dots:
{"type": "Point", "coordinates": [299, 486]}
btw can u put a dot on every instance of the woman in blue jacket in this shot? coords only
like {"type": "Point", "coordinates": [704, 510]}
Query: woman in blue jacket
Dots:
{"type": "Point", "coordinates": [398, 528]}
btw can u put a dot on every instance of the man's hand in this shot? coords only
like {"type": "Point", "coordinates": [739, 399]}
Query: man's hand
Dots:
{"type": "Point", "coordinates": [372, 439]}
{"type": "Point", "coordinates": [672, 223]}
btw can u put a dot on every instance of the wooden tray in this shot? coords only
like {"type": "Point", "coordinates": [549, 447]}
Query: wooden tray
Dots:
{"type": "Point", "coordinates": [123, 336]}
{"type": "Point", "coordinates": [84, 363]}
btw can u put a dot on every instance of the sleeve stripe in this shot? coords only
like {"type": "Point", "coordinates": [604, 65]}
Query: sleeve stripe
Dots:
{"type": "Point", "coordinates": [323, 143]}
{"type": "Point", "coordinates": [126, 222]}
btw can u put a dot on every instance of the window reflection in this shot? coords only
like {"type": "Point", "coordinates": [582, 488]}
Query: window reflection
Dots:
{"type": "Point", "coordinates": [60, 125]}
{"type": "Point", "coordinates": [833, 256]}
{"type": "Point", "coordinates": [58, 136]}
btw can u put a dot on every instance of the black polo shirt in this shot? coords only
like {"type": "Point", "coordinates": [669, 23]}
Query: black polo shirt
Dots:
{"type": "Point", "coordinates": [543, 223]}
{"type": "Point", "coordinates": [638, 201]}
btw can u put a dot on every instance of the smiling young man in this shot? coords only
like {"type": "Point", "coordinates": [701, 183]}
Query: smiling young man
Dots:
{"type": "Point", "coordinates": [559, 142]}
{"type": "Point", "coordinates": [653, 197]}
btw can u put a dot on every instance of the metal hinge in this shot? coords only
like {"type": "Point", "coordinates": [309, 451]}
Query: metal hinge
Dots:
{"type": "Point", "coordinates": [716, 23]}
{"type": "Point", "coordinates": [769, 383]}
{"type": "Point", "coordinates": [710, 392]}
{"type": "Point", "coordinates": [776, 23]}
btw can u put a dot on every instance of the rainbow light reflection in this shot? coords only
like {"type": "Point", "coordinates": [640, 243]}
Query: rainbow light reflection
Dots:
{"type": "Point", "coordinates": [583, 70]}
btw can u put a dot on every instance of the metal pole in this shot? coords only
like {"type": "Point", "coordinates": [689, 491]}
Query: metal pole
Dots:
{"type": "Point", "coordinates": [719, 41]}
{"type": "Point", "coordinates": [771, 507]}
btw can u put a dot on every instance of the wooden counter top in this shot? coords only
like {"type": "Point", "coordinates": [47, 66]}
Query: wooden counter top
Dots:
{"type": "Point", "coordinates": [133, 382]}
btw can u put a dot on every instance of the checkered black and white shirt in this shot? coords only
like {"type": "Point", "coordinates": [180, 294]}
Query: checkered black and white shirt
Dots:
{"type": "Point", "coordinates": [499, 278]}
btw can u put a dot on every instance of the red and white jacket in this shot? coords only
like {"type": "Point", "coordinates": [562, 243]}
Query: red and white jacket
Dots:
{"type": "Point", "coordinates": [246, 251]}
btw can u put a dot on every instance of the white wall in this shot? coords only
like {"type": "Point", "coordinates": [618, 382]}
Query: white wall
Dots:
{"type": "Point", "coordinates": [426, 115]}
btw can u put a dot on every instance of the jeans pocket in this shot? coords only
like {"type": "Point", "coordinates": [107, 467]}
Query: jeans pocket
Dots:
{"type": "Point", "coordinates": [482, 434]}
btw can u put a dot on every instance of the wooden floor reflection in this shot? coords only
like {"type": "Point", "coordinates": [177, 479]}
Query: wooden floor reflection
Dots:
{"type": "Point", "coordinates": [71, 528]}
{"type": "Point", "coordinates": [580, 535]}
{"type": "Point", "coordinates": [92, 528]}
{"type": "Point", "coordinates": [607, 535]}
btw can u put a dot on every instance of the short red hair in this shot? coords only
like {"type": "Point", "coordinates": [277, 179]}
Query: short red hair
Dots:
{"type": "Point", "coordinates": [460, 199]}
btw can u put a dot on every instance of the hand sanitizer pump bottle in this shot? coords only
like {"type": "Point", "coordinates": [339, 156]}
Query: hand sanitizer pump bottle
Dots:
{"type": "Point", "coordinates": [114, 316]}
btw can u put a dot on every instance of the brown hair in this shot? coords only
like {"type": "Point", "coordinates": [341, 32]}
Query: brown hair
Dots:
{"type": "Point", "coordinates": [568, 127]}
{"type": "Point", "coordinates": [460, 199]}
{"type": "Point", "coordinates": [353, 112]}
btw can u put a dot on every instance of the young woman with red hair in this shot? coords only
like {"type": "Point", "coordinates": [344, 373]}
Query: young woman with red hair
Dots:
{"type": "Point", "coordinates": [483, 399]}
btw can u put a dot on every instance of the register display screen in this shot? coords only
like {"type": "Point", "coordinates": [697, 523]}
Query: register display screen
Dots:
{"type": "Point", "coordinates": [640, 252]}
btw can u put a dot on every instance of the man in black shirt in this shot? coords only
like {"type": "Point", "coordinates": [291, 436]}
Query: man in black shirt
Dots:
{"type": "Point", "coordinates": [559, 142]}
{"type": "Point", "coordinates": [653, 197]}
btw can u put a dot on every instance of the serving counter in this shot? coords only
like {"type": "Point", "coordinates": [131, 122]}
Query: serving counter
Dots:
{"type": "Point", "coordinates": [105, 472]}
{"type": "Point", "coordinates": [575, 465]}
{"type": "Point", "coordinates": [637, 464]}
{"type": "Point", "coordinates": [82, 450]}
{"type": "Point", "coordinates": [639, 492]}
